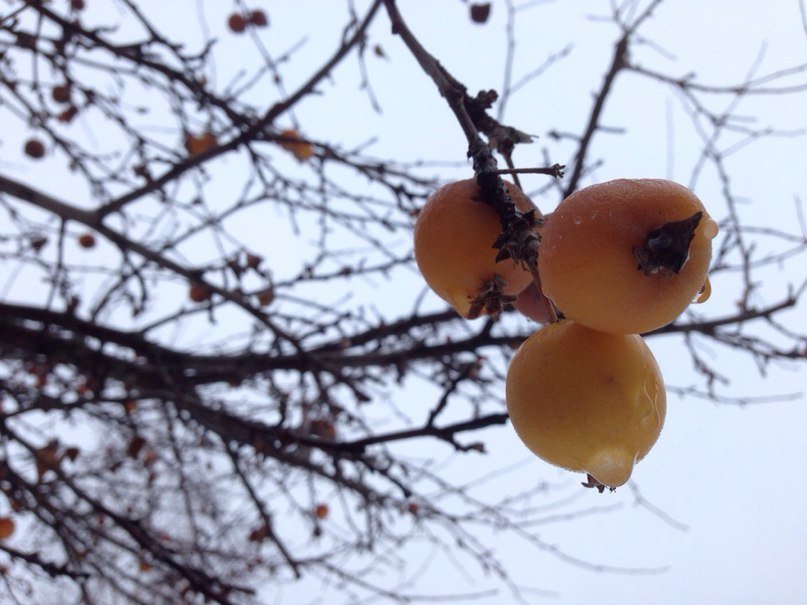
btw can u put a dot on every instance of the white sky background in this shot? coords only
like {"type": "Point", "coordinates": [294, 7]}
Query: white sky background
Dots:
{"type": "Point", "coordinates": [735, 477]}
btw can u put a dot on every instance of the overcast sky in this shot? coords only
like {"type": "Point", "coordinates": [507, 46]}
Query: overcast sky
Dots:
{"type": "Point", "coordinates": [726, 484]}
{"type": "Point", "coordinates": [731, 479]}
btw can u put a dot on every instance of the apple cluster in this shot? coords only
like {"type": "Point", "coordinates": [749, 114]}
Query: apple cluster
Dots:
{"type": "Point", "coordinates": [616, 260]}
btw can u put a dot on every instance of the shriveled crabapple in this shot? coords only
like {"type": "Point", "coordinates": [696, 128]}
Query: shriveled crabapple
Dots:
{"type": "Point", "coordinates": [7, 527]}
{"type": "Point", "coordinates": [290, 140]}
{"type": "Point", "coordinates": [258, 18]}
{"type": "Point", "coordinates": [61, 93]}
{"type": "Point", "coordinates": [237, 23]}
{"type": "Point", "coordinates": [198, 292]}
{"type": "Point", "coordinates": [86, 240]}
{"type": "Point", "coordinates": [199, 144]}
{"type": "Point", "coordinates": [321, 511]}
{"type": "Point", "coordinates": [34, 148]}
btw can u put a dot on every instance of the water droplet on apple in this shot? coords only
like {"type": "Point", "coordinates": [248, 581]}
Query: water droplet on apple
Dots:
{"type": "Point", "coordinates": [704, 293]}
{"type": "Point", "coordinates": [612, 466]}
{"type": "Point", "coordinates": [710, 228]}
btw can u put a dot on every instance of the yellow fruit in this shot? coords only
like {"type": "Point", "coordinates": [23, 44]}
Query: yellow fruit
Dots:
{"type": "Point", "coordinates": [454, 235]}
{"type": "Point", "coordinates": [585, 400]}
{"type": "Point", "coordinates": [605, 264]}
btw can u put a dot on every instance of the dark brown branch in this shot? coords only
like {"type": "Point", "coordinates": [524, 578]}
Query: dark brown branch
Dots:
{"type": "Point", "coordinates": [517, 240]}
{"type": "Point", "coordinates": [618, 63]}
{"type": "Point", "coordinates": [52, 569]}
{"type": "Point", "coordinates": [268, 526]}
{"type": "Point", "coordinates": [445, 433]}
{"type": "Point", "coordinates": [258, 127]}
